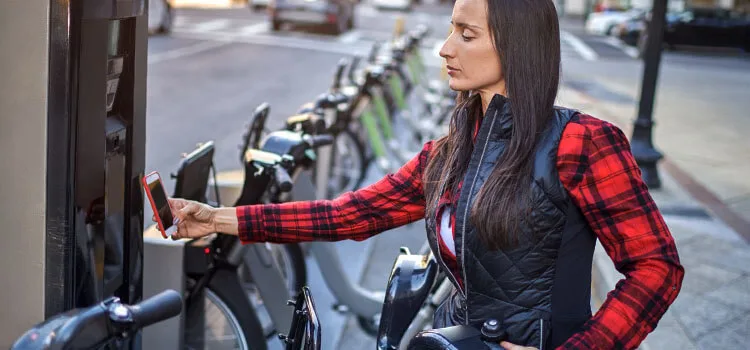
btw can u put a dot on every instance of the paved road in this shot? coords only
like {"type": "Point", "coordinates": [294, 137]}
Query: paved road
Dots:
{"type": "Point", "coordinates": [206, 78]}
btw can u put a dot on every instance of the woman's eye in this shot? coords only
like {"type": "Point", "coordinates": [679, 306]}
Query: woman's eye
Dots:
{"type": "Point", "coordinates": [466, 38]}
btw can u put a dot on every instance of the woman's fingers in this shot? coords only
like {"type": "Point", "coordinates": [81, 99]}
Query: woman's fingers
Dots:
{"type": "Point", "coordinates": [183, 213]}
{"type": "Point", "coordinates": [177, 203]}
{"type": "Point", "coordinates": [510, 346]}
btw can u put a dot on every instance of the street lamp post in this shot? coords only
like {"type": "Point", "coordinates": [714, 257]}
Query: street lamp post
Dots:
{"type": "Point", "coordinates": [641, 142]}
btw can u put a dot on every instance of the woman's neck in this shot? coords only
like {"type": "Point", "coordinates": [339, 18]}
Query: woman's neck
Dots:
{"type": "Point", "coordinates": [487, 94]}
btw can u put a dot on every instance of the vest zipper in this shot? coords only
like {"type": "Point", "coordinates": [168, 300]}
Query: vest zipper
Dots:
{"type": "Point", "coordinates": [466, 214]}
{"type": "Point", "coordinates": [440, 255]}
{"type": "Point", "coordinates": [541, 334]}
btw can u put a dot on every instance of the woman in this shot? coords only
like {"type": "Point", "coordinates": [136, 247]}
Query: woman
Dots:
{"type": "Point", "coordinates": [514, 197]}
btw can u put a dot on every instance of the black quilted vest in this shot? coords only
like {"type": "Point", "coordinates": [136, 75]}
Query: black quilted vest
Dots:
{"type": "Point", "coordinates": [541, 289]}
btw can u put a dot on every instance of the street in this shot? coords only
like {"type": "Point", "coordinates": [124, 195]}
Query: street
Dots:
{"type": "Point", "coordinates": [208, 75]}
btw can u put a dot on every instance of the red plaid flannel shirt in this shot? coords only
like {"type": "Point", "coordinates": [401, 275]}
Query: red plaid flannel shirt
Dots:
{"type": "Point", "coordinates": [600, 174]}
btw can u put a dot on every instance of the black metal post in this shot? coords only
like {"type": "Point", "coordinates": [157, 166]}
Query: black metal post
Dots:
{"type": "Point", "coordinates": [641, 142]}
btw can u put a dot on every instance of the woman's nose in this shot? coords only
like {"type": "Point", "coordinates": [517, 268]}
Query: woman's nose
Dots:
{"type": "Point", "coordinates": [447, 50]}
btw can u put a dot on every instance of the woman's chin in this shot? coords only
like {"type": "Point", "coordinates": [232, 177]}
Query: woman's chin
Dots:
{"type": "Point", "coordinates": [456, 85]}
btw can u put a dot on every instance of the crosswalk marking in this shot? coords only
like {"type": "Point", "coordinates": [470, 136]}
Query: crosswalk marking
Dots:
{"type": "Point", "coordinates": [184, 51]}
{"type": "Point", "coordinates": [350, 37]}
{"type": "Point", "coordinates": [579, 46]}
{"type": "Point", "coordinates": [254, 28]}
{"type": "Point", "coordinates": [628, 50]}
{"type": "Point", "coordinates": [212, 25]}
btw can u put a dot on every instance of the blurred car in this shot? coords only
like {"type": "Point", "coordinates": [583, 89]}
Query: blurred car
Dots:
{"type": "Point", "coordinates": [258, 5]}
{"type": "Point", "coordinates": [603, 23]}
{"type": "Point", "coordinates": [336, 15]}
{"type": "Point", "coordinates": [402, 5]}
{"type": "Point", "coordinates": [160, 16]}
{"type": "Point", "coordinates": [711, 27]}
{"type": "Point", "coordinates": [630, 30]}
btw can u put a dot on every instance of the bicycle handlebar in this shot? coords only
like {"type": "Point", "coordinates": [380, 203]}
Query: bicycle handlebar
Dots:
{"type": "Point", "coordinates": [162, 306]}
{"type": "Point", "coordinates": [104, 321]}
{"type": "Point", "coordinates": [316, 141]}
{"type": "Point", "coordinates": [281, 178]}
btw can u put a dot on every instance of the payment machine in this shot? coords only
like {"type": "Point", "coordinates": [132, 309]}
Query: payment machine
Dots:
{"type": "Point", "coordinates": [72, 135]}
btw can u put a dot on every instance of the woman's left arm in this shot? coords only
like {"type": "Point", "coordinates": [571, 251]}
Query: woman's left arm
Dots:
{"type": "Point", "coordinates": [598, 170]}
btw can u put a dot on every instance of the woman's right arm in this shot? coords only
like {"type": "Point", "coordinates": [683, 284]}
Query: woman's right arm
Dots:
{"type": "Point", "coordinates": [396, 199]}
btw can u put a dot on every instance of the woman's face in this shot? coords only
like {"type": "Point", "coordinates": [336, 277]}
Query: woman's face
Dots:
{"type": "Point", "coordinates": [469, 51]}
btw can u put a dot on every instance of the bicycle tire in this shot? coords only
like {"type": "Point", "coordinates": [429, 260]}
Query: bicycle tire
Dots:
{"type": "Point", "coordinates": [359, 150]}
{"type": "Point", "coordinates": [292, 262]}
{"type": "Point", "coordinates": [226, 287]}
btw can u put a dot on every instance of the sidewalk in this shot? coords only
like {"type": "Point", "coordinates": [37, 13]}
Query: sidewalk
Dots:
{"type": "Point", "coordinates": [713, 308]}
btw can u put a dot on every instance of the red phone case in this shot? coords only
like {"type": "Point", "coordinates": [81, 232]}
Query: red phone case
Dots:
{"type": "Point", "coordinates": [151, 200]}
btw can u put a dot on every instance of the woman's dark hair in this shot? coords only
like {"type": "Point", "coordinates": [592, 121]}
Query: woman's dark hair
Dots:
{"type": "Point", "coordinates": [527, 38]}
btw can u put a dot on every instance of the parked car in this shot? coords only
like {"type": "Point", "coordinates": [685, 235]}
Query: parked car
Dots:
{"type": "Point", "coordinates": [258, 5]}
{"type": "Point", "coordinates": [160, 15]}
{"type": "Point", "coordinates": [603, 23]}
{"type": "Point", "coordinates": [336, 15]}
{"type": "Point", "coordinates": [400, 5]}
{"type": "Point", "coordinates": [703, 27]}
{"type": "Point", "coordinates": [630, 30]}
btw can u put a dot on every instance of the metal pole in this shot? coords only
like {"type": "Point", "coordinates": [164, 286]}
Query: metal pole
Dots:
{"type": "Point", "coordinates": [641, 142]}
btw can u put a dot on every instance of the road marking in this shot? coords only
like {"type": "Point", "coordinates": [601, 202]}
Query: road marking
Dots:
{"type": "Point", "coordinates": [210, 25]}
{"type": "Point", "coordinates": [277, 41]}
{"type": "Point", "coordinates": [617, 43]}
{"type": "Point", "coordinates": [350, 37]}
{"type": "Point", "coordinates": [184, 51]}
{"type": "Point", "coordinates": [577, 44]}
{"type": "Point", "coordinates": [254, 28]}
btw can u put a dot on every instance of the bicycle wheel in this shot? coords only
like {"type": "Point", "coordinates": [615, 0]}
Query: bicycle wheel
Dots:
{"type": "Point", "coordinates": [348, 166]}
{"type": "Point", "coordinates": [223, 317]}
{"type": "Point", "coordinates": [291, 261]}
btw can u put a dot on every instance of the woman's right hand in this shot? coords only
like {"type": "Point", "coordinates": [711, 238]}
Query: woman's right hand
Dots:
{"type": "Point", "coordinates": [194, 219]}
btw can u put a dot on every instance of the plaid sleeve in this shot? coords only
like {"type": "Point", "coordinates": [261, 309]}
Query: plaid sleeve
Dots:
{"type": "Point", "coordinates": [598, 170]}
{"type": "Point", "coordinates": [395, 200]}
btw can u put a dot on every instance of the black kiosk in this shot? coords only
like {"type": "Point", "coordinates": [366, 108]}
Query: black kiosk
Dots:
{"type": "Point", "coordinates": [90, 201]}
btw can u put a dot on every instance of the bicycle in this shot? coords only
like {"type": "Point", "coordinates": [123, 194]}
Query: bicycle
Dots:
{"type": "Point", "coordinates": [218, 311]}
{"type": "Point", "coordinates": [98, 325]}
